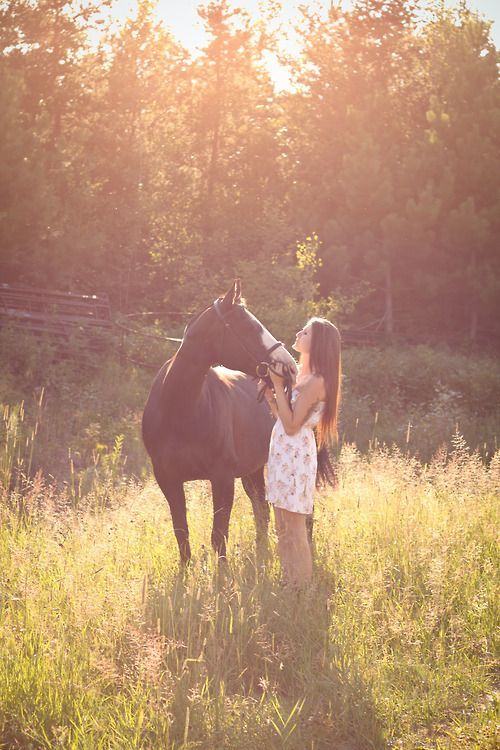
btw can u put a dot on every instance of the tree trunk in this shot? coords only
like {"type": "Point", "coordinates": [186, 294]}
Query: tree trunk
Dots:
{"type": "Point", "coordinates": [214, 155]}
{"type": "Point", "coordinates": [473, 325]}
{"type": "Point", "coordinates": [388, 313]}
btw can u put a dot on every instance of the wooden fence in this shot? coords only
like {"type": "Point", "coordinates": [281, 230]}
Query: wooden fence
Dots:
{"type": "Point", "coordinates": [62, 314]}
{"type": "Point", "coordinates": [56, 313]}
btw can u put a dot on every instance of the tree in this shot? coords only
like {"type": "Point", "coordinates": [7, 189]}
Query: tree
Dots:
{"type": "Point", "coordinates": [463, 134]}
{"type": "Point", "coordinates": [139, 149]}
{"type": "Point", "coordinates": [357, 104]}
{"type": "Point", "coordinates": [42, 45]}
{"type": "Point", "coordinates": [235, 122]}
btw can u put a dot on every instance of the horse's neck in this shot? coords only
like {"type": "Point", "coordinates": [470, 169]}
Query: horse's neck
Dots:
{"type": "Point", "coordinates": [183, 382]}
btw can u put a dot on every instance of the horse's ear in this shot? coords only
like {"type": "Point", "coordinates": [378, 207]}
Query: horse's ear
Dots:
{"type": "Point", "coordinates": [233, 295]}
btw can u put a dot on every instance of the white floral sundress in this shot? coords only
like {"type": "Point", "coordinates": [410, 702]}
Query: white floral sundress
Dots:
{"type": "Point", "coordinates": [292, 464]}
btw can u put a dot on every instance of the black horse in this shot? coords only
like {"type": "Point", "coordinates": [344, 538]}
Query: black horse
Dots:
{"type": "Point", "coordinates": [205, 422]}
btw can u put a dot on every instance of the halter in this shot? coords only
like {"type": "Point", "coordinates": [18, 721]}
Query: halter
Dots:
{"type": "Point", "coordinates": [262, 368]}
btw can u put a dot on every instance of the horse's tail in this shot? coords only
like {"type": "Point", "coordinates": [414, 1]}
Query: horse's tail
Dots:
{"type": "Point", "coordinates": [326, 474]}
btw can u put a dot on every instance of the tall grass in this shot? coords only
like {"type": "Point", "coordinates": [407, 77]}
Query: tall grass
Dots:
{"type": "Point", "coordinates": [106, 643]}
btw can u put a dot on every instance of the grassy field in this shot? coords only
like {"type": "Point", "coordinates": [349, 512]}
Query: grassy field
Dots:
{"type": "Point", "coordinates": [104, 643]}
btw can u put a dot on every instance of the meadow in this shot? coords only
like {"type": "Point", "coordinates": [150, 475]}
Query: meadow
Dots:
{"type": "Point", "coordinates": [106, 643]}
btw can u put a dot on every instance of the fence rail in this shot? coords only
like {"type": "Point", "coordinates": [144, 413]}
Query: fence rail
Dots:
{"type": "Point", "coordinates": [51, 312]}
{"type": "Point", "coordinates": [64, 314]}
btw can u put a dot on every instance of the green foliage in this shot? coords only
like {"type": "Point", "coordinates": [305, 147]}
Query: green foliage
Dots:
{"type": "Point", "coordinates": [12, 455]}
{"type": "Point", "coordinates": [415, 375]}
{"type": "Point", "coordinates": [418, 397]}
{"type": "Point", "coordinates": [76, 400]}
{"type": "Point", "coordinates": [129, 165]}
{"type": "Point", "coordinates": [394, 200]}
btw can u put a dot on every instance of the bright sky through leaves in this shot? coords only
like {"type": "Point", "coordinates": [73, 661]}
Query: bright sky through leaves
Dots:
{"type": "Point", "coordinates": [181, 16]}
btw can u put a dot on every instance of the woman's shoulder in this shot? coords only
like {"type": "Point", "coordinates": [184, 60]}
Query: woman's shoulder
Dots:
{"type": "Point", "coordinates": [313, 385]}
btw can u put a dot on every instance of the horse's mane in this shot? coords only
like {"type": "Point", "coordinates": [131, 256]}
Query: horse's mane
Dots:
{"type": "Point", "coordinates": [229, 377]}
{"type": "Point", "coordinates": [217, 407]}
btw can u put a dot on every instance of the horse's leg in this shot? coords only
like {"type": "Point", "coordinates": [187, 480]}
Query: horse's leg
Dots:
{"type": "Point", "coordinates": [255, 487]}
{"type": "Point", "coordinates": [223, 496]}
{"type": "Point", "coordinates": [174, 493]}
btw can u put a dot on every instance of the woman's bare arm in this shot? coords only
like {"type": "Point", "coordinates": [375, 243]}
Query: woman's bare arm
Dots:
{"type": "Point", "coordinates": [294, 416]}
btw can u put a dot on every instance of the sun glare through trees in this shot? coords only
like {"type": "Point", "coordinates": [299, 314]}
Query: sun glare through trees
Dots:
{"type": "Point", "coordinates": [152, 156]}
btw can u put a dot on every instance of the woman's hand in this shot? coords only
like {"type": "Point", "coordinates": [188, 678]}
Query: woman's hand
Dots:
{"type": "Point", "coordinates": [269, 396]}
{"type": "Point", "coordinates": [266, 391]}
{"type": "Point", "coordinates": [276, 375]}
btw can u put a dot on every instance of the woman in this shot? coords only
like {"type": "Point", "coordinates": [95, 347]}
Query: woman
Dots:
{"type": "Point", "coordinates": [292, 464]}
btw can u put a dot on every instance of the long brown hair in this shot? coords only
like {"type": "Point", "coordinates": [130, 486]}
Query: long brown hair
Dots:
{"type": "Point", "coordinates": [324, 360]}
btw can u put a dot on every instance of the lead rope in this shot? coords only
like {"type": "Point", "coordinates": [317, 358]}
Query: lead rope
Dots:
{"type": "Point", "coordinates": [268, 383]}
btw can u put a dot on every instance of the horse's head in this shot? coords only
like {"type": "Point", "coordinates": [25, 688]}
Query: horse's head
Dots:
{"type": "Point", "coordinates": [233, 337]}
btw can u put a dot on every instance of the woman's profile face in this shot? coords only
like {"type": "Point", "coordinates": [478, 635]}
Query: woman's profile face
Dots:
{"type": "Point", "coordinates": [303, 340]}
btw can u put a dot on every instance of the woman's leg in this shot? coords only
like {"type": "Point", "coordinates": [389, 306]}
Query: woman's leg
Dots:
{"type": "Point", "coordinates": [281, 533]}
{"type": "Point", "coordinates": [293, 546]}
{"type": "Point", "coordinates": [300, 549]}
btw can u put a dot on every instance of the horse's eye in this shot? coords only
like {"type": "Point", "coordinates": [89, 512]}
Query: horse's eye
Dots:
{"type": "Point", "coordinates": [242, 316]}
